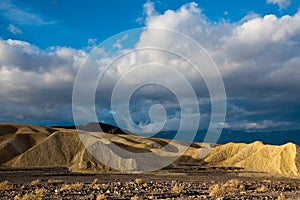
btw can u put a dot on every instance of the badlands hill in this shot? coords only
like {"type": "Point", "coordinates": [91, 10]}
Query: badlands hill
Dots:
{"type": "Point", "coordinates": [28, 146]}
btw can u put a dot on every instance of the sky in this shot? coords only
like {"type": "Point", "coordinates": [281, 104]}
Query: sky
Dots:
{"type": "Point", "coordinates": [254, 44]}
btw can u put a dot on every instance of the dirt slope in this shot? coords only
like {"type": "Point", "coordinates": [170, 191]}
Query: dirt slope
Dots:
{"type": "Point", "coordinates": [257, 156]}
{"type": "Point", "coordinates": [34, 146]}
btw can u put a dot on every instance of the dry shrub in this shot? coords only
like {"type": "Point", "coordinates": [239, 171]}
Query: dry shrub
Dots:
{"type": "Point", "coordinates": [5, 185]}
{"type": "Point", "coordinates": [228, 188]}
{"type": "Point", "coordinates": [145, 185]}
{"type": "Point", "coordinates": [66, 187]}
{"type": "Point", "coordinates": [55, 182]}
{"type": "Point", "coordinates": [100, 197]}
{"type": "Point", "coordinates": [281, 197]}
{"type": "Point", "coordinates": [99, 186]}
{"type": "Point", "coordinates": [233, 183]}
{"type": "Point", "coordinates": [262, 189]}
{"type": "Point", "coordinates": [40, 192]}
{"type": "Point", "coordinates": [242, 187]}
{"type": "Point", "coordinates": [104, 186]}
{"type": "Point", "coordinates": [35, 182]}
{"type": "Point", "coordinates": [177, 189]}
{"type": "Point", "coordinates": [77, 186]}
{"type": "Point", "coordinates": [38, 195]}
{"type": "Point", "coordinates": [95, 181]}
{"type": "Point", "coordinates": [96, 186]}
{"type": "Point", "coordinates": [215, 190]}
{"type": "Point", "coordinates": [27, 197]}
{"type": "Point", "coordinates": [267, 181]}
{"type": "Point", "coordinates": [138, 181]}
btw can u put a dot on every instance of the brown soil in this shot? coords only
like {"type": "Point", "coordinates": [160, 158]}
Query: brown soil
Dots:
{"type": "Point", "coordinates": [181, 182]}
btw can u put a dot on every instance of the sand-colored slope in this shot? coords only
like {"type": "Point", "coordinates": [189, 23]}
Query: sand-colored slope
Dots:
{"type": "Point", "coordinates": [21, 128]}
{"type": "Point", "coordinates": [34, 146]}
{"type": "Point", "coordinates": [56, 150]}
{"type": "Point", "coordinates": [65, 148]}
{"type": "Point", "coordinates": [130, 143]}
{"type": "Point", "coordinates": [256, 156]}
{"type": "Point", "coordinates": [15, 139]}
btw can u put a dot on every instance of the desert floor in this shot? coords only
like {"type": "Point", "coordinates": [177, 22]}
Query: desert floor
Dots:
{"type": "Point", "coordinates": [181, 182]}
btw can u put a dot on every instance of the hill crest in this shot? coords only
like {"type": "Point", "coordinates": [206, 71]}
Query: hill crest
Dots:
{"type": "Point", "coordinates": [35, 146]}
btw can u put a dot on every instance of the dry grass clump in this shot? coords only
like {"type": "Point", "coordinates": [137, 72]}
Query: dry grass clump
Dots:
{"type": "Point", "coordinates": [281, 197]}
{"type": "Point", "coordinates": [145, 185]}
{"type": "Point", "coordinates": [95, 181]}
{"type": "Point", "coordinates": [67, 187]}
{"type": "Point", "coordinates": [177, 189]}
{"type": "Point", "coordinates": [262, 189]}
{"type": "Point", "coordinates": [5, 185]}
{"type": "Point", "coordinates": [55, 182]}
{"type": "Point", "coordinates": [233, 183]}
{"type": "Point", "coordinates": [28, 197]}
{"type": "Point", "coordinates": [228, 188]}
{"type": "Point", "coordinates": [134, 198]}
{"type": "Point", "coordinates": [96, 186]}
{"type": "Point", "coordinates": [39, 195]}
{"type": "Point", "coordinates": [77, 186]}
{"type": "Point", "coordinates": [40, 192]}
{"type": "Point", "coordinates": [64, 187]}
{"type": "Point", "coordinates": [35, 182]}
{"type": "Point", "coordinates": [215, 190]}
{"type": "Point", "coordinates": [138, 181]}
{"type": "Point", "coordinates": [100, 197]}
{"type": "Point", "coordinates": [99, 186]}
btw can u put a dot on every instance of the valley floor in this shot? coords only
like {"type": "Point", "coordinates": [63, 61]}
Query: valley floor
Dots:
{"type": "Point", "coordinates": [181, 182]}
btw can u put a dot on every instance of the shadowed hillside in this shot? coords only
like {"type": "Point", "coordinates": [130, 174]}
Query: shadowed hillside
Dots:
{"type": "Point", "coordinates": [27, 146]}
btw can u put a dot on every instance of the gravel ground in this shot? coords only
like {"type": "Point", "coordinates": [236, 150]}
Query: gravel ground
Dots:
{"type": "Point", "coordinates": [196, 183]}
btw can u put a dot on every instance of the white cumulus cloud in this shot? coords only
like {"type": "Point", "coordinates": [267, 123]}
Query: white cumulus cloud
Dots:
{"type": "Point", "coordinates": [258, 58]}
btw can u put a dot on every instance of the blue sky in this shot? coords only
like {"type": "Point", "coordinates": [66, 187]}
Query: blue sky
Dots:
{"type": "Point", "coordinates": [69, 23]}
{"type": "Point", "coordinates": [254, 43]}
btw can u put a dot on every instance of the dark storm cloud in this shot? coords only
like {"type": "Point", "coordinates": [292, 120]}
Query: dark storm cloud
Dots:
{"type": "Point", "coordinates": [258, 57]}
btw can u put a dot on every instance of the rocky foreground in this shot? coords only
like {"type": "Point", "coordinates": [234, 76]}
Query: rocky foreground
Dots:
{"type": "Point", "coordinates": [50, 183]}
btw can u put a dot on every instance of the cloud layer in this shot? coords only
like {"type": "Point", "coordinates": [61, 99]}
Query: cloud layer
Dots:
{"type": "Point", "coordinates": [258, 58]}
{"type": "Point", "coordinates": [36, 84]}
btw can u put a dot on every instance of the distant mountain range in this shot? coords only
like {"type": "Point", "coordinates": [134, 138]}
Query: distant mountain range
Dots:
{"type": "Point", "coordinates": [237, 136]}
{"type": "Point", "coordinates": [227, 135]}
{"type": "Point", "coordinates": [94, 127]}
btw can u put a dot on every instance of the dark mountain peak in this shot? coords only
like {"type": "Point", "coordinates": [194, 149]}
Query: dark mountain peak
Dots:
{"type": "Point", "coordinates": [94, 127]}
